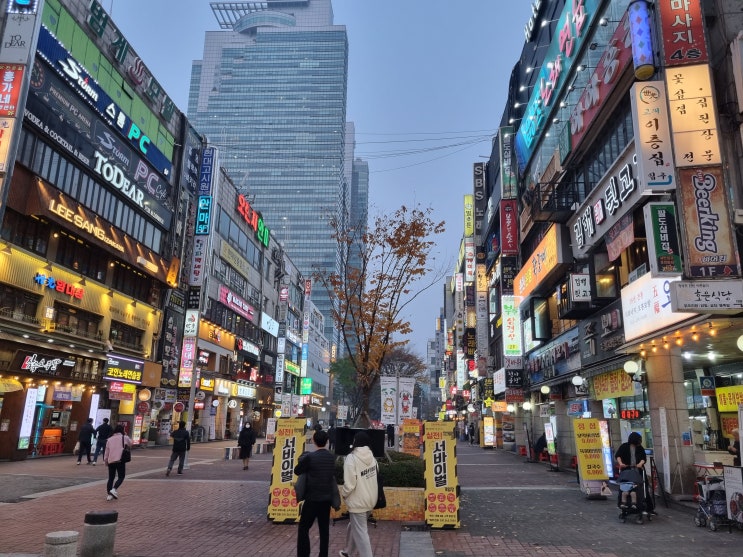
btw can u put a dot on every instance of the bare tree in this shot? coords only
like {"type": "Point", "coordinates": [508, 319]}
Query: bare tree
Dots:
{"type": "Point", "coordinates": [383, 270]}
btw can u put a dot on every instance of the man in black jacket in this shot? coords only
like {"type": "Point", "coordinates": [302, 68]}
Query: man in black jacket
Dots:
{"type": "Point", "coordinates": [181, 444]}
{"type": "Point", "coordinates": [320, 495]}
{"type": "Point", "coordinates": [102, 433]}
{"type": "Point", "coordinates": [85, 438]}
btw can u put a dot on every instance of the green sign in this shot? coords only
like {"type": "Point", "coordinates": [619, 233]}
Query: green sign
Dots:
{"type": "Point", "coordinates": [663, 239]}
{"type": "Point", "coordinates": [306, 386]}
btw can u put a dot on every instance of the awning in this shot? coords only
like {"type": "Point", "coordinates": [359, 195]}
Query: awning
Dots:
{"type": "Point", "coordinates": [9, 385]}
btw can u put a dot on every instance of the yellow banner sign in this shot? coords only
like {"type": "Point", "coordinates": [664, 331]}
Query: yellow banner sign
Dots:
{"type": "Point", "coordinates": [613, 384]}
{"type": "Point", "coordinates": [442, 483]}
{"type": "Point", "coordinates": [590, 447]}
{"type": "Point", "coordinates": [282, 501]}
{"type": "Point", "coordinates": [728, 398]}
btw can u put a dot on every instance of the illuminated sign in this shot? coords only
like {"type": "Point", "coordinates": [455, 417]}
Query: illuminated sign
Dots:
{"type": "Point", "coordinates": [682, 27]}
{"type": "Point", "coordinates": [630, 414]}
{"type": "Point", "coordinates": [84, 84]}
{"type": "Point", "coordinates": [59, 286]}
{"type": "Point", "coordinates": [11, 76]}
{"type": "Point", "coordinates": [572, 25]}
{"type": "Point", "coordinates": [236, 303]}
{"type": "Point", "coordinates": [306, 386]}
{"type": "Point", "coordinates": [121, 368]}
{"type": "Point", "coordinates": [542, 263]}
{"type": "Point", "coordinates": [84, 224]}
{"type": "Point", "coordinates": [203, 215]}
{"type": "Point", "coordinates": [27, 419]}
{"type": "Point", "coordinates": [254, 219]}
{"type": "Point", "coordinates": [469, 215]}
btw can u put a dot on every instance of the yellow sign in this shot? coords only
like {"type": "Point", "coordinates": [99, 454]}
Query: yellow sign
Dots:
{"type": "Point", "coordinates": [282, 500]}
{"type": "Point", "coordinates": [442, 484]}
{"type": "Point", "coordinates": [590, 448]}
{"type": "Point", "coordinates": [728, 398]}
{"type": "Point", "coordinates": [411, 431]}
{"type": "Point", "coordinates": [613, 384]}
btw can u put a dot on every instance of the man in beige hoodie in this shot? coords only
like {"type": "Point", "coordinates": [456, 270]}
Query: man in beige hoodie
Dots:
{"type": "Point", "coordinates": [359, 490]}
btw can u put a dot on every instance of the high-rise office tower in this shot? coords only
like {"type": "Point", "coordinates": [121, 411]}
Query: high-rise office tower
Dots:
{"type": "Point", "coordinates": [270, 91]}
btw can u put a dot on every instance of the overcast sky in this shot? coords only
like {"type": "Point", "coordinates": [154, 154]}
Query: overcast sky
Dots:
{"type": "Point", "coordinates": [425, 76]}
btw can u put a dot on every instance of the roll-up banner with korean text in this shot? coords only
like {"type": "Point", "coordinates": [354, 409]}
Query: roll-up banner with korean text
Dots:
{"type": "Point", "coordinates": [442, 483]}
{"type": "Point", "coordinates": [594, 453]}
{"type": "Point", "coordinates": [282, 500]}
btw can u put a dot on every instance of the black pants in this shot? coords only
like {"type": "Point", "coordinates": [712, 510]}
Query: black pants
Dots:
{"type": "Point", "coordinates": [181, 456]}
{"type": "Point", "coordinates": [84, 450]}
{"type": "Point", "coordinates": [114, 469]}
{"type": "Point", "coordinates": [312, 510]}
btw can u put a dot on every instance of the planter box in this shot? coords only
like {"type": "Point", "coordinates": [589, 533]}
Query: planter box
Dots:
{"type": "Point", "coordinates": [406, 504]}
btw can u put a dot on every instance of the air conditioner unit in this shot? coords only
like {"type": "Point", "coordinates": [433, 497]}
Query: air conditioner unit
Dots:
{"type": "Point", "coordinates": [738, 217]}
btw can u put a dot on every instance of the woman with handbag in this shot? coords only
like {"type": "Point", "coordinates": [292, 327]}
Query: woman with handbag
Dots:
{"type": "Point", "coordinates": [116, 455]}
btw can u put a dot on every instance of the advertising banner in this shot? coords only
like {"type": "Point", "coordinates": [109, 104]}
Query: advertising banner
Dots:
{"type": "Point", "coordinates": [442, 484]}
{"type": "Point", "coordinates": [589, 445]}
{"type": "Point", "coordinates": [682, 28]}
{"type": "Point", "coordinates": [388, 389]}
{"type": "Point", "coordinates": [282, 500]}
{"type": "Point", "coordinates": [655, 168]}
{"type": "Point", "coordinates": [709, 241]}
{"type": "Point", "coordinates": [707, 296]}
{"type": "Point", "coordinates": [406, 386]}
{"type": "Point", "coordinates": [509, 227]}
{"type": "Point", "coordinates": [410, 431]}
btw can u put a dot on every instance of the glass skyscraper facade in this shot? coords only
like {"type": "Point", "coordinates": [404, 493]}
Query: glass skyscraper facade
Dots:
{"type": "Point", "coordinates": [270, 92]}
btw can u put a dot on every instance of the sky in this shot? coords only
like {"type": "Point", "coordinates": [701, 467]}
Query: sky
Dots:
{"type": "Point", "coordinates": [427, 84]}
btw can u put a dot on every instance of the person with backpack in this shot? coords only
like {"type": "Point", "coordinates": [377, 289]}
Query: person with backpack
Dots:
{"type": "Point", "coordinates": [181, 444]}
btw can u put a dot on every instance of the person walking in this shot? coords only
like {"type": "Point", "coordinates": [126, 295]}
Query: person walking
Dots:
{"type": "Point", "coordinates": [85, 438]}
{"type": "Point", "coordinates": [471, 433]}
{"type": "Point", "coordinates": [181, 444]}
{"type": "Point", "coordinates": [102, 433]}
{"type": "Point", "coordinates": [360, 492]}
{"type": "Point", "coordinates": [245, 441]}
{"type": "Point", "coordinates": [331, 437]}
{"type": "Point", "coordinates": [390, 435]}
{"type": "Point", "coordinates": [112, 457]}
{"type": "Point", "coordinates": [321, 492]}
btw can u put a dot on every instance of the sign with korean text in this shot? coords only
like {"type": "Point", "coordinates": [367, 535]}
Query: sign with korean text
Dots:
{"type": "Point", "coordinates": [188, 357]}
{"type": "Point", "coordinates": [601, 334]}
{"type": "Point", "coordinates": [615, 59]}
{"type": "Point", "coordinates": [511, 328]}
{"type": "Point", "coordinates": [570, 34]}
{"type": "Point", "coordinates": [509, 182]}
{"type": "Point", "coordinates": [728, 398]}
{"type": "Point", "coordinates": [237, 304]}
{"type": "Point", "coordinates": [509, 227]}
{"type": "Point", "coordinates": [664, 251]}
{"type": "Point", "coordinates": [682, 28]}
{"type": "Point", "coordinates": [613, 384]}
{"type": "Point", "coordinates": [282, 500]}
{"type": "Point", "coordinates": [254, 219]}
{"type": "Point", "coordinates": [646, 306]}
{"type": "Point", "coordinates": [709, 244]}
{"type": "Point", "coordinates": [589, 449]}
{"type": "Point", "coordinates": [122, 368]}
{"type": "Point", "coordinates": [469, 215]}
{"type": "Point", "coordinates": [442, 483]}
{"type": "Point", "coordinates": [693, 115]}
{"type": "Point", "coordinates": [480, 198]}
{"type": "Point", "coordinates": [710, 296]}
{"type": "Point", "coordinates": [543, 263]}
{"type": "Point", "coordinates": [653, 142]}
{"type": "Point", "coordinates": [11, 80]}
{"type": "Point", "coordinates": [580, 287]}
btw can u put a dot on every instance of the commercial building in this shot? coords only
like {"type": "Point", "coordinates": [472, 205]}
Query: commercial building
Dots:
{"type": "Point", "coordinates": [610, 234]}
{"type": "Point", "coordinates": [271, 91]}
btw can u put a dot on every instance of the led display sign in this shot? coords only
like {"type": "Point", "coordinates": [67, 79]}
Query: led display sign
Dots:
{"type": "Point", "coordinates": [254, 219]}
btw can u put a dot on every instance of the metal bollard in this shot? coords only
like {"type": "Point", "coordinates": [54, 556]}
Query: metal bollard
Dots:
{"type": "Point", "coordinates": [61, 544]}
{"type": "Point", "coordinates": [99, 532]}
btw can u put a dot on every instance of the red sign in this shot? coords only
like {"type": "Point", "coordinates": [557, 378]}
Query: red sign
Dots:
{"type": "Point", "coordinates": [143, 407]}
{"type": "Point", "coordinates": [509, 227]}
{"type": "Point", "coordinates": [682, 28]}
{"type": "Point", "coordinates": [10, 87]}
{"type": "Point", "coordinates": [616, 58]}
{"type": "Point", "coordinates": [179, 407]}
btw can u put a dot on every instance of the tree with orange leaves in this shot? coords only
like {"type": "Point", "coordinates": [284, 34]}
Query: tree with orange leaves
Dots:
{"type": "Point", "coordinates": [383, 270]}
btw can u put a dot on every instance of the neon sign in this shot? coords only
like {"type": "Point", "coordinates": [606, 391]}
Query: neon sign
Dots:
{"type": "Point", "coordinates": [576, 18]}
{"type": "Point", "coordinates": [60, 286]}
{"type": "Point", "coordinates": [254, 219]}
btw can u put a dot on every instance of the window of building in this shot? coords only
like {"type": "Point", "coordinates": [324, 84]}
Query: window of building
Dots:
{"type": "Point", "coordinates": [128, 337]}
{"type": "Point", "coordinates": [75, 321]}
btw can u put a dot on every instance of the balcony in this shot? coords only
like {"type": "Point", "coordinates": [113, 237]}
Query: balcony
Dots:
{"type": "Point", "coordinates": [16, 316]}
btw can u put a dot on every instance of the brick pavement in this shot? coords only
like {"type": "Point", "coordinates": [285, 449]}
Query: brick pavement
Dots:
{"type": "Point", "coordinates": [509, 508]}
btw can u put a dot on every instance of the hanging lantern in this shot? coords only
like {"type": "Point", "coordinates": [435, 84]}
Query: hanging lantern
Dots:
{"type": "Point", "coordinates": [642, 39]}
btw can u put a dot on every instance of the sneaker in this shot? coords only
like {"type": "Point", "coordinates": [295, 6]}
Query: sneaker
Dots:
{"type": "Point", "coordinates": [114, 494]}
{"type": "Point", "coordinates": [94, 463]}
{"type": "Point", "coordinates": [109, 497]}
{"type": "Point", "coordinates": [78, 463]}
{"type": "Point", "coordinates": [167, 472]}
{"type": "Point", "coordinates": [180, 472]}
{"type": "Point", "coordinates": [623, 507]}
{"type": "Point", "coordinates": [343, 553]}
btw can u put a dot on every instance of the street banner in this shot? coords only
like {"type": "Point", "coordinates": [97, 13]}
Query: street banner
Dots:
{"type": "Point", "coordinates": [388, 389]}
{"type": "Point", "coordinates": [406, 386]}
{"type": "Point", "coordinates": [442, 483]}
{"type": "Point", "coordinates": [290, 441]}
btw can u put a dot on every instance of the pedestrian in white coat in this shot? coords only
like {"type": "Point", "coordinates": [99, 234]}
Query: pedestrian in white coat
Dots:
{"type": "Point", "coordinates": [359, 490]}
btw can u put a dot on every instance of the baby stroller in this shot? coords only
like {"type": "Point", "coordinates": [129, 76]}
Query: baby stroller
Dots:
{"type": "Point", "coordinates": [712, 511]}
{"type": "Point", "coordinates": [635, 481]}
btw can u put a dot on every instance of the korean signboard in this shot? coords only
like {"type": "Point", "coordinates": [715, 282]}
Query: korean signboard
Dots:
{"type": "Point", "coordinates": [707, 296]}
{"type": "Point", "coordinates": [710, 244]}
{"type": "Point", "coordinates": [442, 484]}
{"type": "Point", "coordinates": [548, 258]}
{"type": "Point", "coordinates": [282, 500]}
{"type": "Point", "coordinates": [509, 227]}
{"type": "Point", "coordinates": [653, 142]}
{"type": "Point", "coordinates": [124, 369]}
{"type": "Point", "coordinates": [682, 28]}
{"type": "Point", "coordinates": [664, 250]}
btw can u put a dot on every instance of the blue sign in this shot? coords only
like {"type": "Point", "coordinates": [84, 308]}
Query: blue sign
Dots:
{"type": "Point", "coordinates": [204, 215]}
{"type": "Point", "coordinates": [85, 85]}
{"type": "Point", "coordinates": [570, 34]}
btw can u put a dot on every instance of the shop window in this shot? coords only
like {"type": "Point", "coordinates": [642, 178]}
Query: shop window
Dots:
{"type": "Point", "coordinates": [17, 305]}
{"type": "Point", "coordinates": [123, 335]}
{"type": "Point", "coordinates": [29, 233]}
{"type": "Point", "coordinates": [76, 321]}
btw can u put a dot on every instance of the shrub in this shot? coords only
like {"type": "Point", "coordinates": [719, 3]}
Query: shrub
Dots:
{"type": "Point", "coordinates": [397, 470]}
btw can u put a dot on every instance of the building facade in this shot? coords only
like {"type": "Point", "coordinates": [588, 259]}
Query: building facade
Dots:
{"type": "Point", "coordinates": [270, 91]}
